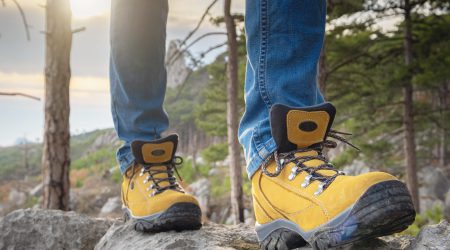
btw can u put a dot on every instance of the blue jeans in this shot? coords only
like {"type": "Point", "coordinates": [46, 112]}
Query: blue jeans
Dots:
{"type": "Point", "coordinates": [284, 40]}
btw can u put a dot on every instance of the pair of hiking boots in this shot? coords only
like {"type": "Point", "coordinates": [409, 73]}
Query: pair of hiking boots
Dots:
{"type": "Point", "coordinates": [298, 196]}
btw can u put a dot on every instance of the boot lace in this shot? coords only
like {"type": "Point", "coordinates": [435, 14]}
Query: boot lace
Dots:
{"type": "Point", "coordinates": [152, 172]}
{"type": "Point", "coordinates": [282, 159]}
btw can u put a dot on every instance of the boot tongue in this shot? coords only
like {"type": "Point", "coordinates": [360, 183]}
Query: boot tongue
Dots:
{"type": "Point", "coordinates": [157, 154]}
{"type": "Point", "coordinates": [299, 128]}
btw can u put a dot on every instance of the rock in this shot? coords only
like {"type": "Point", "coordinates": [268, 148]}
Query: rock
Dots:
{"type": "Point", "coordinates": [434, 237]}
{"type": "Point", "coordinates": [177, 70]}
{"type": "Point", "coordinates": [108, 138]}
{"type": "Point", "coordinates": [112, 208]}
{"type": "Point", "coordinates": [434, 187]}
{"type": "Point", "coordinates": [50, 229]}
{"type": "Point", "coordinates": [447, 206]}
{"type": "Point", "coordinates": [211, 236]}
{"type": "Point", "coordinates": [200, 189]}
{"type": "Point", "coordinates": [435, 181]}
{"type": "Point", "coordinates": [95, 192]}
{"type": "Point", "coordinates": [249, 217]}
{"type": "Point", "coordinates": [17, 198]}
{"type": "Point", "coordinates": [398, 241]}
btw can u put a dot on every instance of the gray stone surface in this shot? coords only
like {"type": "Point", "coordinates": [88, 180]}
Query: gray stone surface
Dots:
{"type": "Point", "coordinates": [434, 237]}
{"type": "Point", "coordinates": [50, 229]}
{"type": "Point", "coordinates": [112, 207]}
{"type": "Point", "coordinates": [201, 190]}
{"type": "Point", "coordinates": [434, 186]}
{"type": "Point", "coordinates": [211, 236]}
{"type": "Point", "coordinates": [447, 206]}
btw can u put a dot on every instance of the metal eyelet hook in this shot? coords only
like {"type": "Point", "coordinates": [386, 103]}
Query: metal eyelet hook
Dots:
{"type": "Point", "coordinates": [293, 173]}
{"type": "Point", "coordinates": [319, 189]}
{"type": "Point", "coordinates": [307, 180]}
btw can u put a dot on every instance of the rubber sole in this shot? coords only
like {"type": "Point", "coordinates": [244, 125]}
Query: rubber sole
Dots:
{"type": "Point", "coordinates": [384, 209]}
{"type": "Point", "coordinates": [179, 217]}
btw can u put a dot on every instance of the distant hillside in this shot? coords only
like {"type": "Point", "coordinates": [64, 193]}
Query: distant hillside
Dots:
{"type": "Point", "coordinates": [92, 149]}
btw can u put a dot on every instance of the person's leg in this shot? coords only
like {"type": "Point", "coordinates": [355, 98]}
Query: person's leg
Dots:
{"type": "Point", "coordinates": [298, 195]}
{"type": "Point", "coordinates": [137, 72]}
{"type": "Point", "coordinates": [284, 40]}
{"type": "Point", "coordinates": [151, 194]}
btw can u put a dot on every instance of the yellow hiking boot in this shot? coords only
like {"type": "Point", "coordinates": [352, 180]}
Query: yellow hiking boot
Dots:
{"type": "Point", "coordinates": [151, 195]}
{"type": "Point", "coordinates": [299, 197]}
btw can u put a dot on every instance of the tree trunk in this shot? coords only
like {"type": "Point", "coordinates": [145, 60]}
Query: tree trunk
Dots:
{"type": "Point", "coordinates": [443, 106]}
{"type": "Point", "coordinates": [237, 204]}
{"type": "Point", "coordinates": [56, 152]}
{"type": "Point", "coordinates": [408, 113]}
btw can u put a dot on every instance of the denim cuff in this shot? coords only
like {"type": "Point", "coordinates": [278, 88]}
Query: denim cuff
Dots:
{"type": "Point", "coordinates": [255, 161]}
{"type": "Point", "coordinates": [125, 161]}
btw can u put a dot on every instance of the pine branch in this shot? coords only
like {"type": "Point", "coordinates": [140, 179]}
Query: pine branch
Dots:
{"type": "Point", "coordinates": [177, 55]}
{"type": "Point", "coordinates": [192, 32]}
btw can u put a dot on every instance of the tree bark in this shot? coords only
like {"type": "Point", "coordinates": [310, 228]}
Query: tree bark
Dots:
{"type": "Point", "coordinates": [443, 106]}
{"type": "Point", "coordinates": [408, 112]}
{"type": "Point", "coordinates": [237, 203]}
{"type": "Point", "coordinates": [56, 152]}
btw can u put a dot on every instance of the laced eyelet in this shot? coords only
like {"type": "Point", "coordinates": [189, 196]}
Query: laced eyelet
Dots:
{"type": "Point", "coordinates": [319, 189]}
{"type": "Point", "coordinates": [293, 173]}
{"type": "Point", "coordinates": [281, 160]}
{"type": "Point", "coordinates": [307, 181]}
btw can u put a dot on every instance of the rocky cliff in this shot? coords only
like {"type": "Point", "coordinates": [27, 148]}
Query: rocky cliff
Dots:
{"type": "Point", "coordinates": [48, 229]}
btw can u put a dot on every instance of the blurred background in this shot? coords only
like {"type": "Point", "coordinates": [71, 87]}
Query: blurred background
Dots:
{"type": "Point", "coordinates": [385, 65]}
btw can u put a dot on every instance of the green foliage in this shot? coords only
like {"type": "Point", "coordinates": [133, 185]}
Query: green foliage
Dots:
{"type": "Point", "coordinates": [215, 153]}
{"type": "Point", "coordinates": [31, 201]}
{"type": "Point", "coordinates": [431, 216]}
{"type": "Point", "coordinates": [12, 163]}
{"type": "Point", "coordinates": [336, 9]}
{"type": "Point", "coordinates": [365, 76]}
{"type": "Point", "coordinates": [100, 160]}
{"type": "Point", "coordinates": [220, 184]}
{"type": "Point", "coordinates": [117, 176]}
{"type": "Point", "coordinates": [190, 173]}
{"type": "Point", "coordinates": [79, 183]}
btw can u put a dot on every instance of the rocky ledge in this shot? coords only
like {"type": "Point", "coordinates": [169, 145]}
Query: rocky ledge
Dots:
{"type": "Point", "coordinates": [49, 229]}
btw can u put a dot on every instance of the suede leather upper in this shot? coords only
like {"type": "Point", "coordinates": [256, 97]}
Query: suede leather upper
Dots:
{"type": "Point", "coordinates": [139, 201]}
{"type": "Point", "coordinates": [138, 188]}
{"type": "Point", "coordinates": [279, 197]}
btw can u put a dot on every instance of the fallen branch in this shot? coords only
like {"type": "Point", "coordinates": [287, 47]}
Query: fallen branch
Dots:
{"type": "Point", "coordinates": [20, 94]}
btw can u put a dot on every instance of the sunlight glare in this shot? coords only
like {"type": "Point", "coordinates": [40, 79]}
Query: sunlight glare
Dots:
{"type": "Point", "coordinates": [88, 8]}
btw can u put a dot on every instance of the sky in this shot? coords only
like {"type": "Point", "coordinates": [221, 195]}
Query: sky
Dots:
{"type": "Point", "coordinates": [22, 63]}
